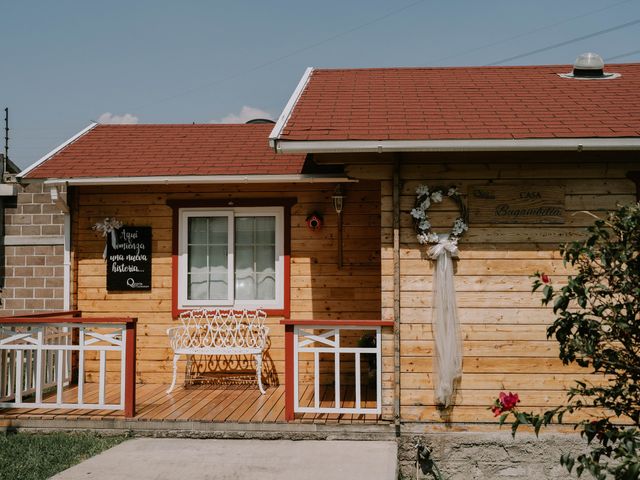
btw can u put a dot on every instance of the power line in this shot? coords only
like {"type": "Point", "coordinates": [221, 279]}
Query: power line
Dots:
{"type": "Point", "coordinates": [567, 42]}
{"type": "Point", "coordinates": [283, 57]}
{"type": "Point", "coordinates": [530, 32]}
{"type": "Point", "coordinates": [623, 55]}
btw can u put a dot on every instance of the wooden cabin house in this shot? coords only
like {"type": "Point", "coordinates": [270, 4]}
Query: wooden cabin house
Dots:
{"type": "Point", "coordinates": [317, 221]}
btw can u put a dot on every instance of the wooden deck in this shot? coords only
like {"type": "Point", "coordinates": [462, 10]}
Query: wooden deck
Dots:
{"type": "Point", "coordinates": [240, 404]}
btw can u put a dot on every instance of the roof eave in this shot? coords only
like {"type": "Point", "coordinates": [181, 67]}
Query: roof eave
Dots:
{"type": "Point", "coordinates": [458, 145]}
{"type": "Point", "coordinates": [198, 179]}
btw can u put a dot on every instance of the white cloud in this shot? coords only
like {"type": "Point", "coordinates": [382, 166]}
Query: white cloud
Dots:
{"type": "Point", "coordinates": [108, 117]}
{"type": "Point", "coordinates": [246, 113]}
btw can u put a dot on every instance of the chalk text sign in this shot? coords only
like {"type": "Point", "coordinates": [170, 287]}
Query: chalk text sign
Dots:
{"type": "Point", "coordinates": [129, 263]}
{"type": "Point", "coordinates": [526, 203]}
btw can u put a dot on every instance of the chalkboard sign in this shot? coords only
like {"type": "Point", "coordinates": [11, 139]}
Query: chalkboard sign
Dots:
{"type": "Point", "coordinates": [129, 263]}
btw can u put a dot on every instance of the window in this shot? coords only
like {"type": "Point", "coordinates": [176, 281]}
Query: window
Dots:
{"type": "Point", "coordinates": [231, 257]}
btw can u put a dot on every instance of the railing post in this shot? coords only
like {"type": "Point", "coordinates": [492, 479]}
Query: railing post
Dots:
{"type": "Point", "coordinates": [289, 379]}
{"type": "Point", "coordinates": [130, 377]}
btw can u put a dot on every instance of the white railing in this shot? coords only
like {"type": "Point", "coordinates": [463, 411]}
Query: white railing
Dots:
{"type": "Point", "coordinates": [41, 354]}
{"type": "Point", "coordinates": [20, 366]}
{"type": "Point", "coordinates": [327, 339]}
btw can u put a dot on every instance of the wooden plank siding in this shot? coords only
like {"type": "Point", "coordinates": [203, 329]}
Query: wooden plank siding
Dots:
{"type": "Point", "coordinates": [319, 289]}
{"type": "Point", "coordinates": [503, 325]}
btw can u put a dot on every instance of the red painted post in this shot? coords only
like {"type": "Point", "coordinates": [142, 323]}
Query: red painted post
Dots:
{"type": "Point", "coordinates": [288, 373]}
{"type": "Point", "coordinates": [130, 370]}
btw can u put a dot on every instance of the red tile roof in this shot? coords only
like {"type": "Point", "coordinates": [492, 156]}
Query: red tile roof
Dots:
{"type": "Point", "coordinates": [464, 103]}
{"type": "Point", "coordinates": [172, 150]}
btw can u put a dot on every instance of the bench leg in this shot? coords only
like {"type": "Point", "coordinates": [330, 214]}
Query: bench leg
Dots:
{"type": "Point", "coordinates": [175, 373]}
{"type": "Point", "coordinates": [259, 372]}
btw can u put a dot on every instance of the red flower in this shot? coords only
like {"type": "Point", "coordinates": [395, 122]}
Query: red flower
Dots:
{"type": "Point", "coordinates": [545, 278]}
{"type": "Point", "coordinates": [508, 401]}
{"type": "Point", "coordinates": [504, 403]}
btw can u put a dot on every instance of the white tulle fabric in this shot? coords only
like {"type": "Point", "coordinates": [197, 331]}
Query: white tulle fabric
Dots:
{"type": "Point", "coordinates": [446, 329]}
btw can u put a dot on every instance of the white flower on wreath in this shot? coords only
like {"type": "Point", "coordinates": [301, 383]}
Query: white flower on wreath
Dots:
{"type": "Point", "coordinates": [424, 224]}
{"type": "Point", "coordinates": [422, 190]}
{"type": "Point", "coordinates": [427, 238]}
{"type": "Point", "coordinates": [436, 197]}
{"type": "Point", "coordinates": [459, 227]}
{"type": "Point", "coordinates": [453, 191]}
{"type": "Point", "coordinates": [418, 213]}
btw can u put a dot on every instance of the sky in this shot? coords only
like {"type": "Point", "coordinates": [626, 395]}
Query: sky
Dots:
{"type": "Point", "coordinates": [67, 63]}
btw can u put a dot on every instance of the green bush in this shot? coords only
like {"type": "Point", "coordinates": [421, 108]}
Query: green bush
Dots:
{"type": "Point", "coordinates": [597, 326]}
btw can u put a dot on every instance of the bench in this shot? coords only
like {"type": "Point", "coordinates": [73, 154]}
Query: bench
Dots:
{"type": "Point", "coordinates": [219, 332]}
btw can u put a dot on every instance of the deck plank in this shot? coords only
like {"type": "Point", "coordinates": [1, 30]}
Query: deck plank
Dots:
{"type": "Point", "coordinates": [206, 398]}
{"type": "Point", "coordinates": [276, 414]}
{"type": "Point", "coordinates": [276, 397]}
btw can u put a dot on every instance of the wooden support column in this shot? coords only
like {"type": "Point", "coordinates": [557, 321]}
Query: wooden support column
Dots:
{"type": "Point", "coordinates": [396, 290]}
{"type": "Point", "coordinates": [130, 376]}
{"type": "Point", "coordinates": [288, 373]}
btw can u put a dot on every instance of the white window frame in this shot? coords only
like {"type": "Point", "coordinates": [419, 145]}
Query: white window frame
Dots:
{"type": "Point", "coordinates": [183, 224]}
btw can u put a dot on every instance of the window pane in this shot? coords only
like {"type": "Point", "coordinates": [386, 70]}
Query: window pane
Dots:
{"type": "Point", "coordinates": [198, 287]}
{"type": "Point", "coordinates": [255, 258]}
{"type": "Point", "coordinates": [198, 259]}
{"type": "Point", "coordinates": [265, 230]}
{"type": "Point", "coordinates": [245, 287]}
{"type": "Point", "coordinates": [265, 259]}
{"type": "Point", "coordinates": [245, 230]}
{"type": "Point", "coordinates": [207, 271]}
{"type": "Point", "coordinates": [266, 287]}
{"type": "Point", "coordinates": [198, 230]}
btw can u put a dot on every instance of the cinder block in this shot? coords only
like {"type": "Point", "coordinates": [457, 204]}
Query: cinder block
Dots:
{"type": "Point", "coordinates": [34, 282]}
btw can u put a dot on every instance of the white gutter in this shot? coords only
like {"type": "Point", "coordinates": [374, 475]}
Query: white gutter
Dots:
{"type": "Point", "coordinates": [67, 262]}
{"type": "Point", "coordinates": [492, 145]}
{"type": "Point", "coordinates": [56, 150]}
{"type": "Point", "coordinates": [286, 113]}
{"type": "Point", "coordinates": [199, 179]}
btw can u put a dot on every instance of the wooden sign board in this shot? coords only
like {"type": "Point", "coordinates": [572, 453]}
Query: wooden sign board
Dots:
{"type": "Point", "coordinates": [129, 263]}
{"type": "Point", "coordinates": [517, 204]}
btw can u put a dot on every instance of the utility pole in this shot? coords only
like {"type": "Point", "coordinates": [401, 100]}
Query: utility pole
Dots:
{"type": "Point", "coordinates": [6, 143]}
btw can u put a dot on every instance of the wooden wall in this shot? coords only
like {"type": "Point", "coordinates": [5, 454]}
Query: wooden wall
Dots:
{"type": "Point", "coordinates": [319, 290]}
{"type": "Point", "coordinates": [503, 324]}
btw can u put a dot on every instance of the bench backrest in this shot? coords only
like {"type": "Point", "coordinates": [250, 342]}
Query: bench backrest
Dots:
{"type": "Point", "coordinates": [216, 328]}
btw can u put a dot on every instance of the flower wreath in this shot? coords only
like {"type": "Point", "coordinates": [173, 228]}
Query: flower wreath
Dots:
{"type": "Point", "coordinates": [424, 199]}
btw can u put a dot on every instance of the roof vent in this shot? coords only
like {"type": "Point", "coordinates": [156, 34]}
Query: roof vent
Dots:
{"type": "Point", "coordinates": [589, 66]}
{"type": "Point", "coordinates": [259, 120]}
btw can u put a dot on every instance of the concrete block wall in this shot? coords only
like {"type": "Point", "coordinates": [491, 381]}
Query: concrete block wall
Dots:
{"type": "Point", "coordinates": [34, 253]}
{"type": "Point", "coordinates": [488, 455]}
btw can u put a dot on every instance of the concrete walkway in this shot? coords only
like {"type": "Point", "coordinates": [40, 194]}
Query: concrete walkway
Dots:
{"type": "Point", "coordinates": [189, 459]}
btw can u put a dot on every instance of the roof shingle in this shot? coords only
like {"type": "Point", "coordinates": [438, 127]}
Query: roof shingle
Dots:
{"type": "Point", "coordinates": [169, 150]}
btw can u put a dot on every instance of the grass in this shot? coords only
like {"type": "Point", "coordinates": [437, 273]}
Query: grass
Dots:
{"type": "Point", "coordinates": [34, 456]}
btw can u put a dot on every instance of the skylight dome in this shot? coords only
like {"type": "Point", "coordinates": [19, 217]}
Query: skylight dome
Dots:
{"type": "Point", "coordinates": [589, 66]}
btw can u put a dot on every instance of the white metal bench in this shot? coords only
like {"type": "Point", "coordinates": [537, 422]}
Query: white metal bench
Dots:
{"type": "Point", "coordinates": [220, 332]}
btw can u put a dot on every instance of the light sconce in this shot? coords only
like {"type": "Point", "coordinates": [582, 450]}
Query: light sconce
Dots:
{"type": "Point", "coordinates": [338, 199]}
